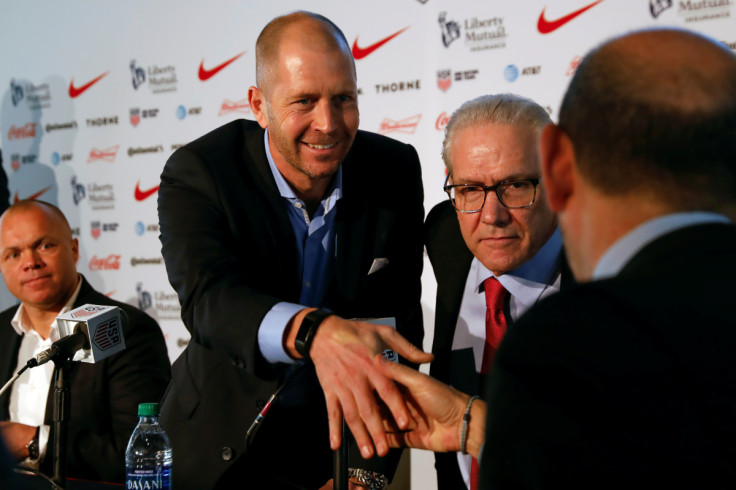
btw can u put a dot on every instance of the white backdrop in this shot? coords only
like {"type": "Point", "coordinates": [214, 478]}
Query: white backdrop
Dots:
{"type": "Point", "coordinates": [97, 94]}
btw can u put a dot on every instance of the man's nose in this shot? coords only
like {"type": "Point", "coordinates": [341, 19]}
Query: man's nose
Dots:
{"type": "Point", "coordinates": [493, 212]}
{"type": "Point", "coordinates": [31, 259]}
{"type": "Point", "coordinates": [325, 118]}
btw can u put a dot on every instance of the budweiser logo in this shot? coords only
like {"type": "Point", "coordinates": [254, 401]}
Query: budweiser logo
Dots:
{"type": "Point", "coordinates": [111, 262]}
{"type": "Point", "coordinates": [238, 106]}
{"type": "Point", "coordinates": [408, 125]}
{"type": "Point", "coordinates": [442, 121]}
{"type": "Point", "coordinates": [108, 154]}
{"type": "Point", "coordinates": [26, 131]}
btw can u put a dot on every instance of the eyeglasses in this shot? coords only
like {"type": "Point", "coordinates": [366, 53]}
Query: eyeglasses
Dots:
{"type": "Point", "coordinates": [513, 194]}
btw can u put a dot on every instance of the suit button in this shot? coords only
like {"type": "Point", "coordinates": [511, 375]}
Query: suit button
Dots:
{"type": "Point", "coordinates": [227, 454]}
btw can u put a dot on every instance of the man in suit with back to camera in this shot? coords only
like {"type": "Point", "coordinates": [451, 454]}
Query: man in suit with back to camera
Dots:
{"type": "Point", "coordinates": [275, 234]}
{"type": "Point", "coordinates": [38, 257]}
{"type": "Point", "coordinates": [627, 379]}
{"type": "Point", "coordinates": [494, 245]}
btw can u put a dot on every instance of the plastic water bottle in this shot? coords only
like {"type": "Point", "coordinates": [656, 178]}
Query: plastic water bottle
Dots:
{"type": "Point", "coordinates": [148, 457]}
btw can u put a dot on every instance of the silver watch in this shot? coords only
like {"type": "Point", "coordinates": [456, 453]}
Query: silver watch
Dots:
{"type": "Point", "coordinates": [374, 481]}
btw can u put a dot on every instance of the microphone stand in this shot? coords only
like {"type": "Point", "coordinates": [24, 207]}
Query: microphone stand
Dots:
{"type": "Point", "coordinates": [62, 399]}
{"type": "Point", "coordinates": [340, 461]}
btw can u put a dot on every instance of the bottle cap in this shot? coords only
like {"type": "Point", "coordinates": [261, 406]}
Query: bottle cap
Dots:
{"type": "Point", "coordinates": [148, 410]}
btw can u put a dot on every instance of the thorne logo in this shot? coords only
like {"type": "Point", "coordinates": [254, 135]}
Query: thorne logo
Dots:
{"type": "Point", "coordinates": [102, 121]}
{"type": "Point", "coordinates": [442, 121]}
{"type": "Point", "coordinates": [234, 106]}
{"type": "Point", "coordinates": [481, 33]}
{"type": "Point", "coordinates": [382, 88]}
{"type": "Point", "coordinates": [407, 126]}
{"type": "Point", "coordinates": [160, 79]}
{"type": "Point", "coordinates": [106, 155]}
{"type": "Point", "coordinates": [109, 263]}
{"type": "Point", "coordinates": [699, 10]}
{"type": "Point", "coordinates": [28, 130]}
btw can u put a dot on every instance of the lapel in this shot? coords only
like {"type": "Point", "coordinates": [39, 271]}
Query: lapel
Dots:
{"type": "Point", "coordinates": [9, 345]}
{"type": "Point", "coordinates": [451, 261]}
{"type": "Point", "coordinates": [352, 223]}
{"type": "Point", "coordinates": [268, 206]}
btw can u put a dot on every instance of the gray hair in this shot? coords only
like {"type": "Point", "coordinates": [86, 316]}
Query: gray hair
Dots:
{"type": "Point", "coordinates": [494, 109]}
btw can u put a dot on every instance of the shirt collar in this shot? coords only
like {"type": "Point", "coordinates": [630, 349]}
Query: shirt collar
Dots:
{"type": "Point", "coordinates": [624, 249]}
{"type": "Point", "coordinates": [20, 328]}
{"type": "Point", "coordinates": [527, 282]}
{"type": "Point", "coordinates": [285, 189]}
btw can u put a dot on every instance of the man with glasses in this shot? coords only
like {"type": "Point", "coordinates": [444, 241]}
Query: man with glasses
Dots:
{"type": "Point", "coordinates": [494, 246]}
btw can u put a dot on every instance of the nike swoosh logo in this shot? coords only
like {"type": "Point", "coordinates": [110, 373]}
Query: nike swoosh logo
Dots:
{"type": "Point", "coordinates": [75, 92]}
{"type": "Point", "coordinates": [32, 196]}
{"type": "Point", "coordinates": [360, 53]}
{"type": "Point", "coordinates": [546, 26]}
{"type": "Point", "coordinates": [207, 74]}
{"type": "Point", "coordinates": [141, 195]}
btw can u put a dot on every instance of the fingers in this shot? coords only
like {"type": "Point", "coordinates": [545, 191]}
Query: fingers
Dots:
{"type": "Point", "coordinates": [404, 348]}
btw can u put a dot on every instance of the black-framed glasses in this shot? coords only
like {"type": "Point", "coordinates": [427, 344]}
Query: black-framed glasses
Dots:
{"type": "Point", "coordinates": [513, 194]}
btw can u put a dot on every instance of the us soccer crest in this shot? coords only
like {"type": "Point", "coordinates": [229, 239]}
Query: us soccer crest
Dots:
{"type": "Point", "coordinates": [135, 116]}
{"type": "Point", "coordinates": [444, 79]}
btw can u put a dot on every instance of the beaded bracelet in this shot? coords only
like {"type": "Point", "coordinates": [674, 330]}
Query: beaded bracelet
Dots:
{"type": "Point", "coordinates": [466, 419]}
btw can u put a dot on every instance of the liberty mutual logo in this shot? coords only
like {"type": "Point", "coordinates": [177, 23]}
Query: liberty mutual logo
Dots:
{"type": "Point", "coordinates": [450, 29]}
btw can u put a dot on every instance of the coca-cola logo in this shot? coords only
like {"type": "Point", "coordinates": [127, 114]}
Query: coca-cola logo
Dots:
{"type": "Point", "coordinates": [111, 262]}
{"type": "Point", "coordinates": [26, 131]}
{"type": "Point", "coordinates": [442, 121]}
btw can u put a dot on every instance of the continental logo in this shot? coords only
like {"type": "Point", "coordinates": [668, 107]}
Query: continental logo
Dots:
{"type": "Point", "coordinates": [134, 261]}
{"type": "Point", "coordinates": [66, 125]}
{"type": "Point", "coordinates": [139, 150]}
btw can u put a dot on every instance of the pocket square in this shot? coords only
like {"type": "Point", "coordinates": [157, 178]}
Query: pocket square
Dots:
{"type": "Point", "coordinates": [377, 265]}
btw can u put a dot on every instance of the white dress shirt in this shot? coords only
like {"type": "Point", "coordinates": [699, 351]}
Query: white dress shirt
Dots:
{"type": "Point", "coordinates": [29, 394]}
{"type": "Point", "coordinates": [537, 278]}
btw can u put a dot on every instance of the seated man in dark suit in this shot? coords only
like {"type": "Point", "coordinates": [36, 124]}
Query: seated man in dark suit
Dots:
{"type": "Point", "coordinates": [264, 222]}
{"type": "Point", "coordinates": [494, 246]}
{"type": "Point", "coordinates": [38, 263]}
{"type": "Point", "coordinates": [627, 380]}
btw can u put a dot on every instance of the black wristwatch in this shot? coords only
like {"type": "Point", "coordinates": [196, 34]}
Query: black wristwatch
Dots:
{"type": "Point", "coordinates": [307, 330]}
{"type": "Point", "coordinates": [34, 451]}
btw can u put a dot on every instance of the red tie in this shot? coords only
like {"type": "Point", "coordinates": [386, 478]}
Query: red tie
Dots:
{"type": "Point", "coordinates": [495, 330]}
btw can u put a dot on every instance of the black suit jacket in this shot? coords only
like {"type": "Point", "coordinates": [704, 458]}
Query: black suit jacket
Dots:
{"type": "Point", "coordinates": [230, 254]}
{"type": "Point", "coordinates": [625, 382]}
{"type": "Point", "coordinates": [451, 259]}
{"type": "Point", "coordinates": [104, 396]}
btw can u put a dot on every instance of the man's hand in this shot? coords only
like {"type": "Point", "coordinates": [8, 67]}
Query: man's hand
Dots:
{"type": "Point", "coordinates": [437, 412]}
{"type": "Point", "coordinates": [342, 353]}
{"type": "Point", "coordinates": [16, 437]}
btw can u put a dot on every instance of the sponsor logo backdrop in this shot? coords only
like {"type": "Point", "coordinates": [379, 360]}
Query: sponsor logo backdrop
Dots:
{"type": "Point", "coordinates": [95, 99]}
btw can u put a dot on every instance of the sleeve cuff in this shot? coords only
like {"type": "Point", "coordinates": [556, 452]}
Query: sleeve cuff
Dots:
{"type": "Point", "coordinates": [271, 332]}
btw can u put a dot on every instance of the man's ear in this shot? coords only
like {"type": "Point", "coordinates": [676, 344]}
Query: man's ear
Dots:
{"type": "Point", "coordinates": [257, 102]}
{"type": "Point", "coordinates": [558, 166]}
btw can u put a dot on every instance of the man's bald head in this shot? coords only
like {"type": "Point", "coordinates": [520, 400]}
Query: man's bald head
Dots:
{"type": "Point", "coordinates": [654, 112]}
{"type": "Point", "coordinates": [303, 28]}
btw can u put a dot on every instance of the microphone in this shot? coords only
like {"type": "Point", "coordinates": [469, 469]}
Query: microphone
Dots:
{"type": "Point", "coordinates": [63, 348]}
{"type": "Point", "coordinates": [89, 333]}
